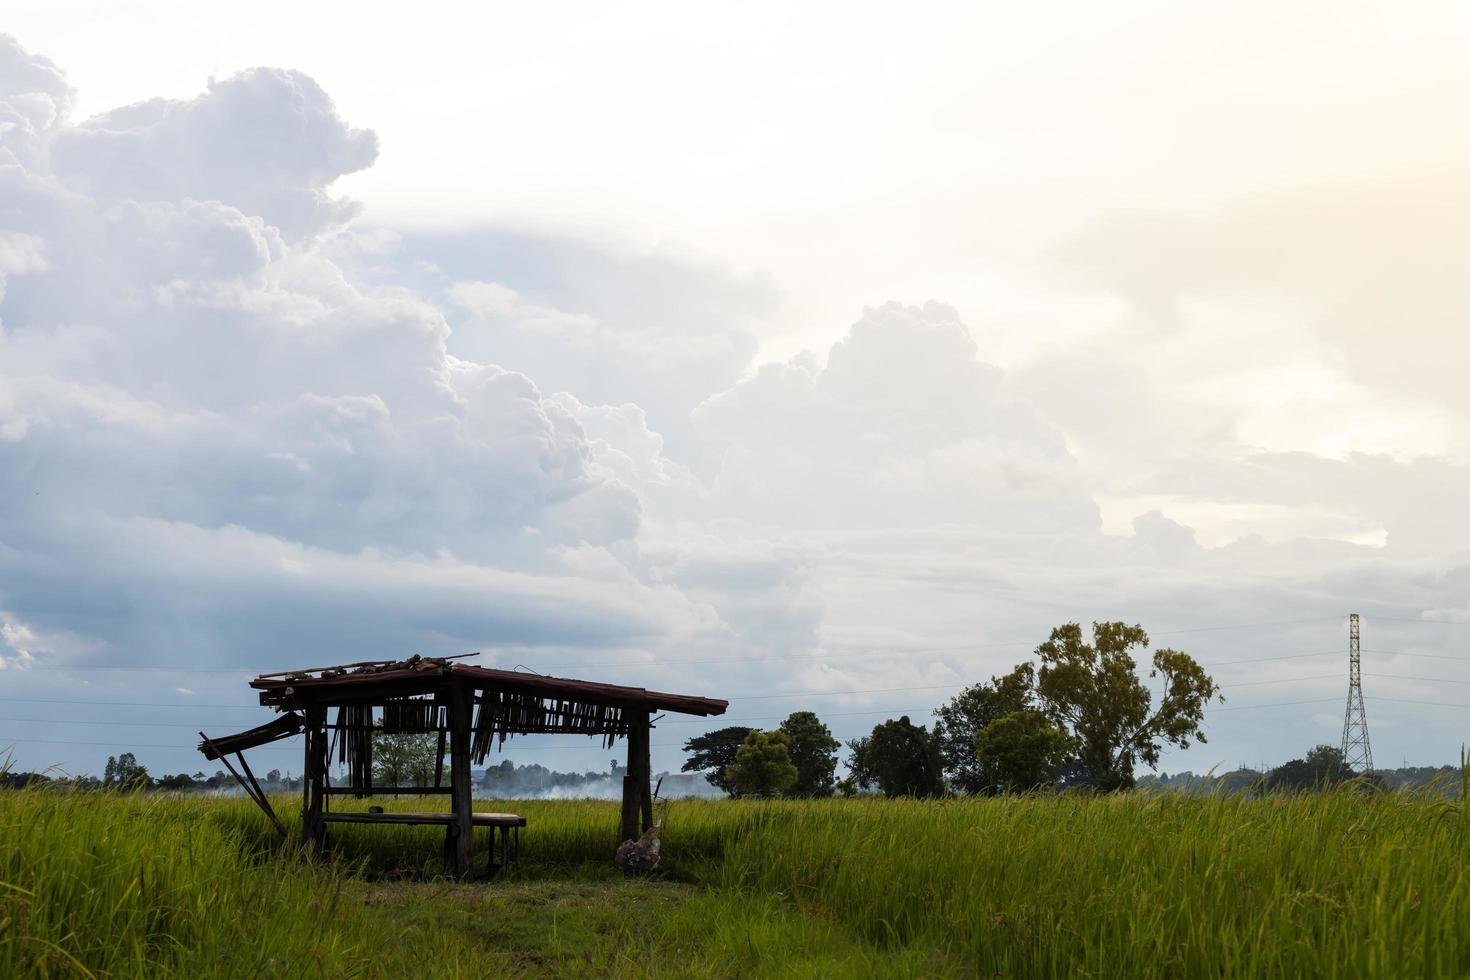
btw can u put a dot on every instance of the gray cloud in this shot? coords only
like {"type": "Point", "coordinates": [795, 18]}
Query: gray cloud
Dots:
{"type": "Point", "coordinates": [234, 434]}
{"type": "Point", "coordinates": [266, 140]}
{"type": "Point", "coordinates": [215, 447]}
{"type": "Point", "coordinates": [903, 424]}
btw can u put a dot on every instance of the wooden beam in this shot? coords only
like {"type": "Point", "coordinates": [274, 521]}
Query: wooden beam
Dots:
{"type": "Point", "coordinates": [645, 773]}
{"type": "Point", "coordinates": [442, 819]}
{"type": "Point", "coordinates": [459, 836]}
{"type": "Point", "coordinates": [283, 727]}
{"type": "Point", "coordinates": [313, 828]}
{"type": "Point", "coordinates": [388, 791]}
{"type": "Point", "coordinates": [635, 776]}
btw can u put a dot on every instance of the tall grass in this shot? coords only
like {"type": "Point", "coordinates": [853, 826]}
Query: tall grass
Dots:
{"type": "Point", "coordinates": [1332, 884]}
{"type": "Point", "coordinates": [1336, 884]}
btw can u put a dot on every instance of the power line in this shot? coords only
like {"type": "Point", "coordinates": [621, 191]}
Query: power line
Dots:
{"type": "Point", "coordinates": [746, 697]}
{"type": "Point", "coordinates": [129, 704]}
{"type": "Point", "coordinates": [1262, 660]}
{"type": "Point", "coordinates": [813, 658]}
{"type": "Point", "coordinates": [1421, 622]}
{"type": "Point", "coordinates": [1405, 677]}
{"type": "Point", "coordinates": [1278, 704]}
{"type": "Point", "coordinates": [1435, 704]}
{"type": "Point", "coordinates": [10, 739]}
{"type": "Point", "coordinates": [893, 652]}
{"type": "Point", "coordinates": [836, 714]}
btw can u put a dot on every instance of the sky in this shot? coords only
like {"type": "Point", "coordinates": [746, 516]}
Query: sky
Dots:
{"type": "Point", "coordinates": [819, 358]}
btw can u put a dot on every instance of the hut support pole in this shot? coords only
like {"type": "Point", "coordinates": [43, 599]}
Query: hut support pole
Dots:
{"type": "Point", "coordinates": [314, 773]}
{"type": "Point", "coordinates": [645, 775]}
{"type": "Point", "coordinates": [636, 797]}
{"type": "Point", "coordinates": [459, 840]}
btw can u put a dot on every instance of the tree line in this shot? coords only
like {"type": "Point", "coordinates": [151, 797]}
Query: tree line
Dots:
{"type": "Point", "coordinates": [1078, 715]}
{"type": "Point", "coordinates": [125, 773]}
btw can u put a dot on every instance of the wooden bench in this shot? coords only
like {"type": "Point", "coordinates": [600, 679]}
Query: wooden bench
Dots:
{"type": "Point", "coordinates": [509, 825]}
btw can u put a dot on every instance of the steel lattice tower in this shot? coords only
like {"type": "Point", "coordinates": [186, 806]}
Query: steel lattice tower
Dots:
{"type": "Point", "coordinates": [1356, 751]}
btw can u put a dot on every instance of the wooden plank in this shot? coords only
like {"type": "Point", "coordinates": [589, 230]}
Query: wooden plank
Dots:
{"type": "Point", "coordinates": [252, 788]}
{"type": "Point", "coordinates": [637, 759]}
{"type": "Point", "coordinates": [360, 663]}
{"type": "Point", "coordinates": [282, 727]}
{"type": "Point", "coordinates": [401, 682]}
{"type": "Point", "coordinates": [435, 819]}
{"type": "Point", "coordinates": [461, 838]}
{"type": "Point", "coordinates": [313, 828]}
{"type": "Point", "coordinates": [388, 791]}
{"type": "Point", "coordinates": [645, 771]}
{"type": "Point", "coordinates": [260, 798]}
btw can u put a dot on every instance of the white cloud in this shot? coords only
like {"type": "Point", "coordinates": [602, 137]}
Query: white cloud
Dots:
{"type": "Point", "coordinates": [902, 426]}
{"type": "Point", "coordinates": [266, 140]}
{"type": "Point", "coordinates": [18, 640]}
{"type": "Point", "coordinates": [232, 433]}
{"type": "Point", "coordinates": [203, 418]}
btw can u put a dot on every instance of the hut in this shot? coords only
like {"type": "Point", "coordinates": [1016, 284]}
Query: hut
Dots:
{"type": "Point", "coordinates": [469, 708]}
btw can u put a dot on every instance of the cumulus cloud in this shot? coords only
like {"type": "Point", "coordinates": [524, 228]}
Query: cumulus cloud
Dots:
{"type": "Point", "coordinates": [1295, 331]}
{"type": "Point", "coordinates": [902, 425]}
{"type": "Point", "coordinates": [236, 432]}
{"type": "Point", "coordinates": [210, 435]}
{"type": "Point", "coordinates": [266, 140]}
{"type": "Point", "coordinates": [661, 330]}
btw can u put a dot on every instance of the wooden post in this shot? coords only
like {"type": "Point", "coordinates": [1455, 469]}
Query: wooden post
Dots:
{"type": "Point", "coordinates": [635, 779]}
{"type": "Point", "coordinates": [459, 840]}
{"type": "Point", "coordinates": [645, 774]}
{"type": "Point", "coordinates": [314, 775]}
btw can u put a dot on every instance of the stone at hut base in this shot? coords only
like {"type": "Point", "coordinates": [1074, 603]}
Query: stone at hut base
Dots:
{"type": "Point", "coordinates": [639, 855]}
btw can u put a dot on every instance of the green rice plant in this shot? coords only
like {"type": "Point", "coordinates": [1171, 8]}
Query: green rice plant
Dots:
{"type": "Point", "coordinates": [1345, 883]}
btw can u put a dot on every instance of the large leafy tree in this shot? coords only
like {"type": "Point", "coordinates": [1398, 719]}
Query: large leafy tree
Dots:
{"type": "Point", "coordinates": [762, 766]}
{"type": "Point", "coordinates": [961, 721]}
{"type": "Point", "coordinates": [899, 758]}
{"type": "Point", "coordinates": [813, 752]}
{"type": "Point", "coordinates": [125, 772]}
{"type": "Point", "coordinates": [1094, 692]}
{"type": "Point", "coordinates": [1022, 750]}
{"type": "Point", "coordinates": [1323, 766]}
{"type": "Point", "coordinates": [404, 758]}
{"type": "Point", "coordinates": [714, 752]}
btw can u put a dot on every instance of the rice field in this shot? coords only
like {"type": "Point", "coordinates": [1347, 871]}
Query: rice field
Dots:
{"type": "Point", "coordinates": [1343, 884]}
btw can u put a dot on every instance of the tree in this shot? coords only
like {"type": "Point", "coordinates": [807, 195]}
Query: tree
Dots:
{"type": "Point", "coordinates": [499, 778]}
{"type": "Point", "coordinates": [125, 772]}
{"type": "Point", "coordinates": [898, 757]}
{"type": "Point", "coordinates": [1094, 692]}
{"type": "Point", "coordinates": [1323, 767]}
{"type": "Point", "coordinates": [1022, 750]}
{"type": "Point", "coordinates": [404, 758]}
{"type": "Point", "coordinates": [762, 765]}
{"type": "Point", "coordinates": [967, 714]}
{"type": "Point", "coordinates": [271, 778]}
{"type": "Point", "coordinates": [714, 752]}
{"type": "Point", "coordinates": [813, 752]}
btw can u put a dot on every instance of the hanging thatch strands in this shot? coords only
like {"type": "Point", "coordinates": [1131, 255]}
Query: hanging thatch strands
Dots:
{"type": "Point", "coordinates": [352, 745]}
{"type": "Point", "coordinates": [363, 750]}
{"type": "Point", "coordinates": [484, 720]}
{"type": "Point", "coordinates": [498, 715]}
{"type": "Point", "coordinates": [415, 715]}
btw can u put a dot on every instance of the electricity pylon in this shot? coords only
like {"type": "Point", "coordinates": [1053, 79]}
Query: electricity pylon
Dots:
{"type": "Point", "coordinates": [1356, 752]}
